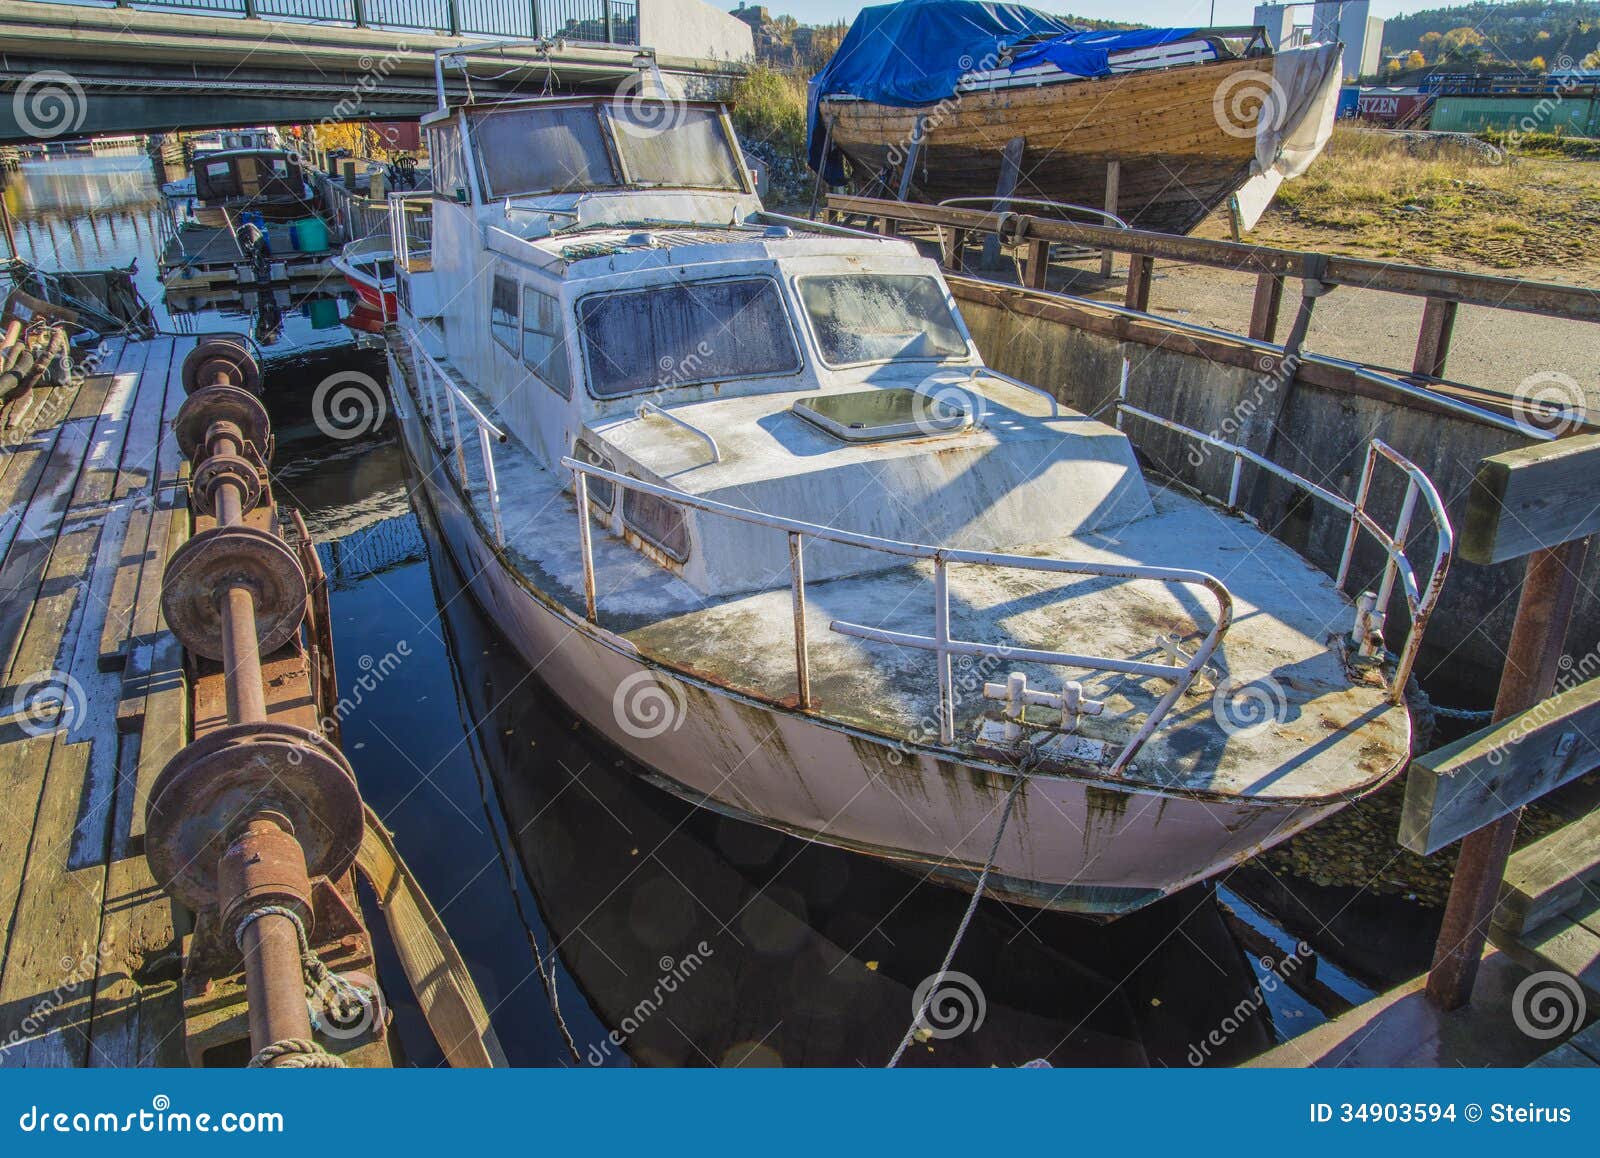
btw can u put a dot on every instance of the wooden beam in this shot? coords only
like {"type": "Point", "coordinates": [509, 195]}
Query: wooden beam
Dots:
{"type": "Point", "coordinates": [1536, 497]}
{"type": "Point", "coordinates": [1475, 781]}
{"type": "Point", "coordinates": [1264, 309]}
{"type": "Point", "coordinates": [1108, 257]}
{"type": "Point", "coordinates": [1141, 270]}
{"type": "Point", "coordinates": [1548, 298]}
{"type": "Point", "coordinates": [909, 169]}
{"type": "Point", "coordinates": [1433, 343]}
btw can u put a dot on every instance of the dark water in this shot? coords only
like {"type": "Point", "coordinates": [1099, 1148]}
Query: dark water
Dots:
{"type": "Point", "coordinates": [669, 935]}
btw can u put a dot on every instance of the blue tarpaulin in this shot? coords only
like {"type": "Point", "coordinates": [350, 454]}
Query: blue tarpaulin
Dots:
{"type": "Point", "coordinates": [917, 52]}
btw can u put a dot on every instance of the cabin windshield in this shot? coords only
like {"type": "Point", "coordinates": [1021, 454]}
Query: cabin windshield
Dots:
{"type": "Point", "coordinates": [876, 317]}
{"type": "Point", "coordinates": [524, 150]}
{"type": "Point", "coordinates": [685, 334]}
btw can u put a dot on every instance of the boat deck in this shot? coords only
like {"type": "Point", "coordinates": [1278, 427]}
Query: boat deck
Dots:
{"type": "Point", "coordinates": [207, 254]}
{"type": "Point", "coordinates": [90, 973]}
{"type": "Point", "coordinates": [1331, 738]}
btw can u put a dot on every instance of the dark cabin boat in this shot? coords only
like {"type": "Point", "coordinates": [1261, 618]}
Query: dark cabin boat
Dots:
{"type": "Point", "coordinates": [270, 182]}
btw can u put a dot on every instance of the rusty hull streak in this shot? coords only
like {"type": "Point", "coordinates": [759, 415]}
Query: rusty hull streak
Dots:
{"type": "Point", "coordinates": [692, 678]}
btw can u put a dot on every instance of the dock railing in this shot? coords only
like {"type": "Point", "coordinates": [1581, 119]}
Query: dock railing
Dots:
{"type": "Point", "coordinates": [942, 643]}
{"type": "Point", "coordinates": [1444, 291]}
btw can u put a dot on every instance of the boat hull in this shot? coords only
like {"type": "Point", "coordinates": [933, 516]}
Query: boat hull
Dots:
{"type": "Point", "coordinates": [1184, 139]}
{"type": "Point", "coordinates": [1095, 848]}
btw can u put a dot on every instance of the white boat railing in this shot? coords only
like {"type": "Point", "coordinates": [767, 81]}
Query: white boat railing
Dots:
{"type": "Point", "coordinates": [1420, 598]}
{"type": "Point", "coordinates": [434, 381]}
{"type": "Point", "coordinates": [410, 238]}
{"type": "Point", "coordinates": [941, 642]}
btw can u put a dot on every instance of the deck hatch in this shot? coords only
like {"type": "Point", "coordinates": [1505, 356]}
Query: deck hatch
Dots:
{"type": "Point", "coordinates": [878, 415]}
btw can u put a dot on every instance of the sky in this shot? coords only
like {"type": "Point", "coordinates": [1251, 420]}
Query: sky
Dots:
{"type": "Point", "coordinates": [1163, 13]}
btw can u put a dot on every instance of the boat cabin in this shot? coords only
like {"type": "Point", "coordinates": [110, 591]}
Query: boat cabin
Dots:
{"type": "Point", "coordinates": [250, 178]}
{"type": "Point", "coordinates": [764, 362]}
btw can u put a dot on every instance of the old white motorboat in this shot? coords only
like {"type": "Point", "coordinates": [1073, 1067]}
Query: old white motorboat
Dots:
{"type": "Point", "coordinates": [742, 491]}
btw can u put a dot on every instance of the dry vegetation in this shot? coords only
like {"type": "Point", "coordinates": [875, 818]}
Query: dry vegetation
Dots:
{"type": "Point", "coordinates": [1379, 196]}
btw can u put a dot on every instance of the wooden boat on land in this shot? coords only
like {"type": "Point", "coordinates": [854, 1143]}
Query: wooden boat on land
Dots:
{"type": "Point", "coordinates": [743, 491]}
{"type": "Point", "coordinates": [1186, 126]}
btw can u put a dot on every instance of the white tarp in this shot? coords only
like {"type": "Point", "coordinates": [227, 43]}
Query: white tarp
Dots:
{"type": "Point", "coordinates": [1305, 95]}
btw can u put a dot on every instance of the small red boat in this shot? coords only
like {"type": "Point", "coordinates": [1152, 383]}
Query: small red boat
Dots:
{"type": "Point", "coordinates": [368, 266]}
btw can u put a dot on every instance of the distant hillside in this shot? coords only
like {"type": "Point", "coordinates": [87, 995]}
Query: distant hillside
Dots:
{"type": "Point", "coordinates": [1554, 33]}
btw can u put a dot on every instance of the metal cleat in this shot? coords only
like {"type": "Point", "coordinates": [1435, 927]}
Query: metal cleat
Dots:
{"type": "Point", "coordinates": [1019, 697]}
{"type": "Point", "coordinates": [1367, 633]}
{"type": "Point", "coordinates": [1171, 646]}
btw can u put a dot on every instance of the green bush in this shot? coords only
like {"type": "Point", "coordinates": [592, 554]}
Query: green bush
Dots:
{"type": "Point", "coordinates": [769, 105]}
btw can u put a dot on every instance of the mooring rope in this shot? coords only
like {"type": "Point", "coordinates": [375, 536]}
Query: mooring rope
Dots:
{"type": "Point", "coordinates": [1023, 768]}
{"type": "Point", "coordinates": [343, 998]}
{"type": "Point", "coordinates": [297, 1054]}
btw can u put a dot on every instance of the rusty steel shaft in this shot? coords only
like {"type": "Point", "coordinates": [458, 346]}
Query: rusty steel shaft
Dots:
{"type": "Point", "coordinates": [270, 943]}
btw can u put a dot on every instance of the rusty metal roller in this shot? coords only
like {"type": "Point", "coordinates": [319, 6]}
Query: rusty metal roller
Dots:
{"type": "Point", "coordinates": [221, 359]}
{"type": "Point", "coordinates": [223, 780]}
{"type": "Point", "coordinates": [213, 404]}
{"type": "Point", "coordinates": [202, 571]}
{"type": "Point", "coordinates": [230, 469]}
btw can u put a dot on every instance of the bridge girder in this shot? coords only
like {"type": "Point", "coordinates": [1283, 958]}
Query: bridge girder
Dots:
{"type": "Point", "coordinates": [74, 72]}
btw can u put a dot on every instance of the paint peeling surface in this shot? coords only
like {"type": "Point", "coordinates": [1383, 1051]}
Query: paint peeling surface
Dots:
{"type": "Point", "coordinates": [695, 615]}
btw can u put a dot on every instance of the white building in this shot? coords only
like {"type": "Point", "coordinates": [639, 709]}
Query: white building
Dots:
{"type": "Point", "coordinates": [1348, 21]}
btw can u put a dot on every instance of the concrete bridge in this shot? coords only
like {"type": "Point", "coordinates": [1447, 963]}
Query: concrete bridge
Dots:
{"type": "Point", "coordinates": [73, 70]}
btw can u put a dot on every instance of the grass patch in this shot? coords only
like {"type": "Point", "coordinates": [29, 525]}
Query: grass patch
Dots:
{"type": "Point", "coordinates": [769, 105]}
{"type": "Point", "coordinates": [1440, 203]}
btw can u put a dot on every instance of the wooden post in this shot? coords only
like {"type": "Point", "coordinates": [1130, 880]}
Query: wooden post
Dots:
{"type": "Point", "coordinates": [1038, 265]}
{"type": "Point", "coordinates": [1433, 343]}
{"type": "Point", "coordinates": [1532, 662]}
{"type": "Point", "coordinates": [1141, 269]}
{"type": "Point", "coordinates": [1264, 310]}
{"type": "Point", "coordinates": [1108, 257]}
{"type": "Point", "coordinates": [1536, 502]}
{"type": "Point", "coordinates": [955, 249]}
{"type": "Point", "coordinates": [1010, 170]}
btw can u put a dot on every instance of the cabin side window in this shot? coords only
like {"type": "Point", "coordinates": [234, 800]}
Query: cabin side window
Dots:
{"type": "Point", "coordinates": [657, 521]}
{"type": "Point", "coordinates": [503, 312]}
{"type": "Point", "coordinates": [696, 154]}
{"type": "Point", "coordinates": [444, 154]}
{"type": "Point", "coordinates": [602, 492]}
{"type": "Point", "coordinates": [685, 334]}
{"type": "Point", "coordinates": [544, 342]}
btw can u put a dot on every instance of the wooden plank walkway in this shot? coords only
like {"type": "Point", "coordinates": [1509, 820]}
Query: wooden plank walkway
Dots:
{"type": "Point", "coordinates": [89, 951]}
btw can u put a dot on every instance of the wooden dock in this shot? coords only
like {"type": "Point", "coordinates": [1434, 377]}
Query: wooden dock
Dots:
{"type": "Point", "coordinates": [202, 256]}
{"type": "Point", "coordinates": [93, 508]}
